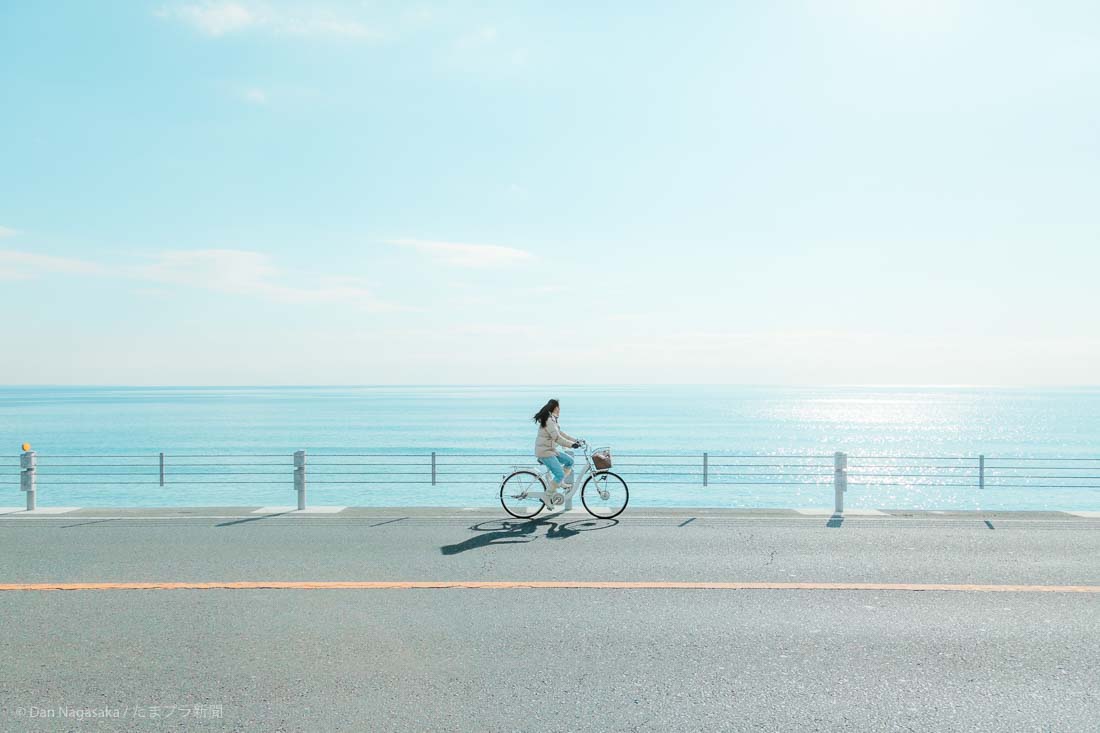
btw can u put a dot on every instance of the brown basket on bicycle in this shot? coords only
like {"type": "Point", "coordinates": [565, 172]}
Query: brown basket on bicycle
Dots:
{"type": "Point", "coordinates": [601, 459]}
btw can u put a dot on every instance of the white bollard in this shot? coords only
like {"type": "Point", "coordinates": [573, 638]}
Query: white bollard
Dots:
{"type": "Point", "coordinates": [300, 477]}
{"type": "Point", "coordinates": [840, 480]}
{"type": "Point", "coordinates": [28, 465]}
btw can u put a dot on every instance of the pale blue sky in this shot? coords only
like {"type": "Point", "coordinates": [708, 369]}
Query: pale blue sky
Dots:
{"type": "Point", "coordinates": [246, 192]}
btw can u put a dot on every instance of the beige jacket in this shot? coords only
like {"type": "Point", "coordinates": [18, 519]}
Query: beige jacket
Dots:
{"type": "Point", "coordinates": [550, 437]}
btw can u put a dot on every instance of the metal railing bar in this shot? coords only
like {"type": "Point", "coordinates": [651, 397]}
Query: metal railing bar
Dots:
{"type": "Point", "coordinates": [625, 455]}
{"type": "Point", "coordinates": [1042, 485]}
{"type": "Point", "coordinates": [957, 467]}
{"type": "Point", "coordinates": [95, 483]}
{"type": "Point", "coordinates": [222, 473]}
{"type": "Point", "coordinates": [440, 462]}
{"type": "Point", "coordinates": [289, 480]}
{"type": "Point", "coordinates": [487, 466]}
{"type": "Point", "coordinates": [497, 483]}
{"type": "Point", "coordinates": [512, 455]}
{"type": "Point", "coordinates": [1008, 458]}
{"type": "Point", "coordinates": [857, 457]}
{"type": "Point", "coordinates": [754, 456]}
{"type": "Point", "coordinates": [769, 473]}
{"type": "Point", "coordinates": [171, 470]}
{"type": "Point", "coordinates": [288, 463]}
{"type": "Point", "coordinates": [169, 474]}
{"type": "Point", "coordinates": [151, 483]}
{"type": "Point", "coordinates": [55, 455]}
{"type": "Point", "coordinates": [719, 456]}
{"type": "Point", "coordinates": [47, 473]}
{"type": "Point", "coordinates": [1056, 478]}
{"type": "Point", "coordinates": [821, 466]}
{"type": "Point", "coordinates": [370, 465]}
{"type": "Point", "coordinates": [486, 472]}
{"type": "Point", "coordinates": [100, 465]}
{"type": "Point", "coordinates": [699, 464]}
{"type": "Point", "coordinates": [811, 482]}
{"type": "Point", "coordinates": [288, 455]}
{"type": "Point", "coordinates": [910, 483]}
{"type": "Point", "coordinates": [156, 456]}
{"type": "Point", "coordinates": [1039, 468]}
{"type": "Point", "coordinates": [427, 482]}
{"type": "Point", "coordinates": [427, 453]}
{"type": "Point", "coordinates": [368, 473]}
{"type": "Point", "coordinates": [912, 475]}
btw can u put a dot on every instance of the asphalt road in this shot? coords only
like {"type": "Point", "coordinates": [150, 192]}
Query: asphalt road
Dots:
{"type": "Point", "coordinates": [550, 659]}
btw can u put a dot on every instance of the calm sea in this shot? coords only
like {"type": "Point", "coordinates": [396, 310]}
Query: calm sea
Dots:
{"type": "Point", "coordinates": [767, 446]}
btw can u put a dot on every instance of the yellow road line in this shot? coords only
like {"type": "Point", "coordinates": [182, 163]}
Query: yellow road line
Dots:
{"type": "Point", "coordinates": [540, 584]}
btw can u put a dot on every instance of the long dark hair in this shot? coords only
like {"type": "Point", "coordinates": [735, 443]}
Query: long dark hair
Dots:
{"type": "Point", "coordinates": [544, 414]}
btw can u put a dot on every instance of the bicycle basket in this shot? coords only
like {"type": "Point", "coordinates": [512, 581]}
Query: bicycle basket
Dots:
{"type": "Point", "coordinates": [601, 459]}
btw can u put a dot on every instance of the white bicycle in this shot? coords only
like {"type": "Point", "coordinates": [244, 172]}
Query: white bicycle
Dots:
{"type": "Point", "coordinates": [526, 491]}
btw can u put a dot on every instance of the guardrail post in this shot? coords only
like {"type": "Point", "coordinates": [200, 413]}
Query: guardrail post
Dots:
{"type": "Point", "coordinates": [981, 472]}
{"type": "Point", "coordinates": [28, 465]}
{"type": "Point", "coordinates": [162, 469]}
{"type": "Point", "coordinates": [840, 480]}
{"type": "Point", "coordinates": [433, 468]}
{"type": "Point", "coordinates": [300, 477]}
{"type": "Point", "coordinates": [704, 469]}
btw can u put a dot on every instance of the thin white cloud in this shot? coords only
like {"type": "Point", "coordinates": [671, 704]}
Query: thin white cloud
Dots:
{"type": "Point", "coordinates": [25, 265]}
{"type": "Point", "coordinates": [480, 37]}
{"type": "Point", "coordinates": [6, 232]}
{"type": "Point", "coordinates": [466, 255]}
{"type": "Point", "coordinates": [212, 18]}
{"type": "Point", "coordinates": [235, 272]}
{"type": "Point", "coordinates": [255, 96]}
{"type": "Point", "coordinates": [327, 26]}
{"type": "Point", "coordinates": [239, 272]}
{"type": "Point", "coordinates": [419, 15]}
{"type": "Point", "coordinates": [216, 18]}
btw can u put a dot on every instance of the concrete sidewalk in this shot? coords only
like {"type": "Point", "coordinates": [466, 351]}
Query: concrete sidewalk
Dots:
{"type": "Point", "coordinates": [10, 512]}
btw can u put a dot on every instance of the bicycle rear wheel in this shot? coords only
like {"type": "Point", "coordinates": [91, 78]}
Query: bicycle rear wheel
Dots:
{"type": "Point", "coordinates": [605, 495]}
{"type": "Point", "coordinates": [516, 491]}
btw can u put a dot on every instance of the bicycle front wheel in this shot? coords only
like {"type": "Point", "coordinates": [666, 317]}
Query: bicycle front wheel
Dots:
{"type": "Point", "coordinates": [520, 494]}
{"type": "Point", "coordinates": [605, 495]}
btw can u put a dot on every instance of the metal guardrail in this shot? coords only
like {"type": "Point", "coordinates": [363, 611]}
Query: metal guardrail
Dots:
{"type": "Point", "coordinates": [707, 469]}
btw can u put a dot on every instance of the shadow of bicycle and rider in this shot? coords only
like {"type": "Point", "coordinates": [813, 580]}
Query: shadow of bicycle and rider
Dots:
{"type": "Point", "coordinates": [522, 531]}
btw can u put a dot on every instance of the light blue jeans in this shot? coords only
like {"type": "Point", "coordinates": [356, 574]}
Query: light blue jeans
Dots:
{"type": "Point", "coordinates": [557, 465]}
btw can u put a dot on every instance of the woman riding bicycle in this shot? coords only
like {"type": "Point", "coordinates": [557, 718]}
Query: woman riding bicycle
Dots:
{"type": "Point", "coordinates": [549, 437]}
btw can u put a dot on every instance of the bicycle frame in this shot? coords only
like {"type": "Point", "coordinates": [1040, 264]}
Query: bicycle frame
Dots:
{"type": "Point", "coordinates": [578, 479]}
